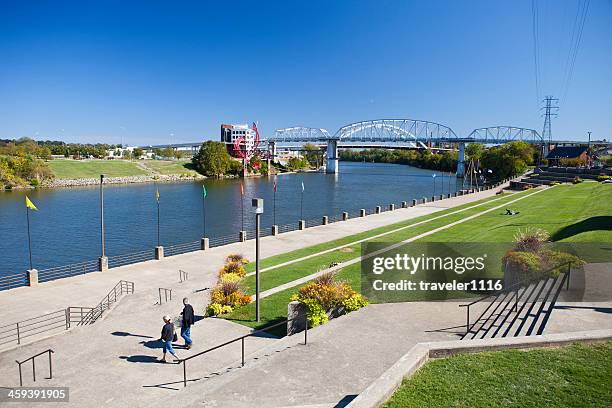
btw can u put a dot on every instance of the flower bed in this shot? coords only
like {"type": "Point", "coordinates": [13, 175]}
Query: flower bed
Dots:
{"type": "Point", "coordinates": [228, 292]}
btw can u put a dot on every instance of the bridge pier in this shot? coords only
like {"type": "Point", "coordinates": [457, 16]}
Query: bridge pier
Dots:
{"type": "Point", "coordinates": [332, 157]}
{"type": "Point", "coordinates": [461, 160]}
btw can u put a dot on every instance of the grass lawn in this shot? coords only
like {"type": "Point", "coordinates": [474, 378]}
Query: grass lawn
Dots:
{"type": "Point", "coordinates": [76, 169]}
{"type": "Point", "coordinates": [169, 167]}
{"type": "Point", "coordinates": [573, 376]}
{"type": "Point", "coordinates": [567, 212]}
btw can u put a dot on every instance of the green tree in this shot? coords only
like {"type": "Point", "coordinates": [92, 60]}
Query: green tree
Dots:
{"type": "Point", "coordinates": [312, 154]}
{"type": "Point", "coordinates": [167, 152]}
{"type": "Point", "coordinates": [474, 150]}
{"type": "Point", "coordinates": [137, 153]}
{"type": "Point", "coordinates": [297, 163]}
{"type": "Point", "coordinates": [212, 159]}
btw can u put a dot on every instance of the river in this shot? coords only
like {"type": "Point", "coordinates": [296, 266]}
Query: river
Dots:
{"type": "Point", "coordinates": [66, 229]}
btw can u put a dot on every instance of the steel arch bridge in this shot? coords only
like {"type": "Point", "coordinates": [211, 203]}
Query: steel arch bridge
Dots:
{"type": "Point", "coordinates": [504, 134]}
{"type": "Point", "coordinates": [300, 134]}
{"type": "Point", "coordinates": [394, 130]}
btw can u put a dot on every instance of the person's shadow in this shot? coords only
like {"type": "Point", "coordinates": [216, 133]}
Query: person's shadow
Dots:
{"type": "Point", "coordinates": [140, 359]}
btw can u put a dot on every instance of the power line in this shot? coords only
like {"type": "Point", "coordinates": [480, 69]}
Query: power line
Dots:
{"type": "Point", "coordinates": [579, 23]}
{"type": "Point", "coordinates": [534, 32]}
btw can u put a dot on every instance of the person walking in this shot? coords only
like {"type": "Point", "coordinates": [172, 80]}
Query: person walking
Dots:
{"type": "Point", "coordinates": [167, 336]}
{"type": "Point", "coordinates": [186, 323]}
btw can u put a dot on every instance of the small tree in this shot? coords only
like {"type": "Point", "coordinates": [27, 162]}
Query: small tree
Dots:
{"type": "Point", "coordinates": [212, 159]}
{"type": "Point", "coordinates": [137, 153]}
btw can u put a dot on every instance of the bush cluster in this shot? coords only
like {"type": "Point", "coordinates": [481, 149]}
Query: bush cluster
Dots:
{"type": "Point", "coordinates": [577, 180]}
{"type": "Point", "coordinates": [325, 295]}
{"type": "Point", "coordinates": [228, 292]}
{"type": "Point", "coordinates": [603, 177]}
{"type": "Point", "coordinates": [533, 260]}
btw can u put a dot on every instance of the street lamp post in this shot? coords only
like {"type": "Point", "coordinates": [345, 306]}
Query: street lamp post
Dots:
{"type": "Point", "coordinates": [103, 262]}
{"type": "Point", "coordinates": [258, 204]}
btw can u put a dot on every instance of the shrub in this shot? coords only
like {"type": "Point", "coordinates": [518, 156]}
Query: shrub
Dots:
{"type": "Point", "coordinates": [554, 183]}
{"type": "Point", "coordinates": [324, 295]}
{"type": "Point", "coordinates": [233, 267]}
{"type": "Point", "coordinates": [229, 277]}
{"type": "Point", "coordinates": [236, 258]}
{"type": "Point", "coordinates": [216, 309]}
{"type": "Point", "coordinates": [527, 264]}
{"type": "Point", "coordinates": [577, 180]}
{"type": "Point", "coordinates": [530, 240]}
{"type": "Point", "coordinates": [603, 177]}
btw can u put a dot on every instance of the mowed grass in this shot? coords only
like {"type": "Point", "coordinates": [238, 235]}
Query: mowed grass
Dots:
{"type": "Point", "coordinates": [572, 376]}
{"type": "Point", "coordinates": [76, 169]}
{"type": "Point", "coordinates": [170, 167]}
{"type": "Point", "coordinates": [556, 210]}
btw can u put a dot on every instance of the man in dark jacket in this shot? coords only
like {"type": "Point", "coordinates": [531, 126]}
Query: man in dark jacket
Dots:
{"type": "Point", "coordinates": [167, 336]}
{"type": "Point", "coordinates": [187, 322]}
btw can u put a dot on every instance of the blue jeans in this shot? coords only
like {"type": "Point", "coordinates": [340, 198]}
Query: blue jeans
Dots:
{"type": "Point", "coordinates": [168, 348]}
{"type": "Point", "coordinates": [186, 334]}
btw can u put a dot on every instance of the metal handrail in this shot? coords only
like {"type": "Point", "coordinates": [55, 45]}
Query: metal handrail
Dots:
{"type": "Point", "coordinates": [241, 338]}
{"type": "Point", "coordinates": [166, 291]}
{"type": "Point", "coordinates": [126, 287]}
{"type": "Point", "coordinates": [50, 351]}
{"type": "Point", "coordinates": [514, 287]}
{"type": "Point", "coordinates": [183, 275]}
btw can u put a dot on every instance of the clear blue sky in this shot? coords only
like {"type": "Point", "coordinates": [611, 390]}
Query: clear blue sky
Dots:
{"type": "Point", "coordinates": [102, 71]}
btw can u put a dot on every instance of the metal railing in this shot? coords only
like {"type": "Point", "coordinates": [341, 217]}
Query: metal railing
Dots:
{"type": "Point", "coordinates": [127, 259]}
{"type": "Point", "coordinates": [178, 249]}
{"type": "Point", "coordinates": [121, 288]}
{"type": "Point", "coordinates": [167, 294]}
{"type": "Point", "coordinates": [241, 339]}
{"type": "Point", "coordinates": [13, 281]}
{"type": "Point", "coordinates": [80, 268]}
{"type": "Point", "coordinates": [505, 291]}
{"type": "Point", "coordinates": [183, 276]}
{"type": "Point", "coordinates": [49, 351]}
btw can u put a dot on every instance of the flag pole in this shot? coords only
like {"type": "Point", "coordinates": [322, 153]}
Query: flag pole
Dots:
{"type": "Point", "coordinates": [203, 212]}
{"type": "Point", "coordinates": [274, 216]}
{"type": "Point", "coordinates": [29, 240]}
{"type": "Point", "coordinates": [157, 200]}
{"type": "Point", "coordinates": [302, 205]}
{"type": "Point", "coordinates": [242, 205]}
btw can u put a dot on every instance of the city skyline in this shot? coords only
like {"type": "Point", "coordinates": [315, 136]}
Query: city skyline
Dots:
{"type": "Point", "coordinates": [154, 75]}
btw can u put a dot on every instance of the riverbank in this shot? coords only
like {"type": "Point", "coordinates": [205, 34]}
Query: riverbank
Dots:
{"type": "Point", "coordinates": [82, 182]}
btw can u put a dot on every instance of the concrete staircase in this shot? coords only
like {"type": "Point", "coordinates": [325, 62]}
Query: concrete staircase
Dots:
{"type": "Point", "coordinates": [546, 176]}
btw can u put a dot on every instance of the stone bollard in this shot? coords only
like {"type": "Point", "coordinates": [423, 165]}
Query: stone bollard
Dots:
{"type": "Point", "coordinates": [296, 314]}
{"type": "Point", "coordinates": [362, 212]}
{"type": "Point", "coordinates": [433, 198]}
{"type": "Point", "coordinates": [32, 277]}
{"type": "Point", "coordinates": [325, 220]}
{"type": "Point", "coordinates": [404, 204]}
{"type": "Point", "coordinates": [204, 244]}
{"type": "Point", "coordinates": [414, 202]}
{"type": "Point", "coordinates": [103, 263]}
{"type": "Point", "coordinates": [377, 209]}
{"type": "Point", "coordinates": [159, 252]}
{"type": "Point", "coordinates": [391, 207]}
{"type": "Point", "coordinates": [344, 216]}
{"type": "Point", "coordinates": [448, 195]}
{"type": "Point", "coordinates": [275, 230]}
{"type": "Point", "coordinates": [302, 225]}
{"type": "Point", "coordinates": [424, 200]}
{"type": "Point", "coordinates": [242, 236]}
{"type": "Point", "coordinates": [441, 196]}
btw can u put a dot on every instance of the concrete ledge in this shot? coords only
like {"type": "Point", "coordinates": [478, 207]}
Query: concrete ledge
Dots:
{"type": "Point", "coordinates": [383, 388]}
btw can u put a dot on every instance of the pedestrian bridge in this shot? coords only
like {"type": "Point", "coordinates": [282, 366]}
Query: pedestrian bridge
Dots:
{"type": "Point", "coordinates": [397, 133]}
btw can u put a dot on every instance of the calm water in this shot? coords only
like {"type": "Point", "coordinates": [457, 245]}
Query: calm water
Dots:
{"type": "Point", "coordinates": [66, 227]}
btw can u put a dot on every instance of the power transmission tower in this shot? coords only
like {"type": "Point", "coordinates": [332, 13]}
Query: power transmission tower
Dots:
{"type": "Point", "coordinates": [551, 107]}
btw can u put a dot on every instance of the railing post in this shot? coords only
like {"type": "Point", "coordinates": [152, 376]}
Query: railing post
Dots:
{"type": "Point", "coordinates": [67, 318]}
{"type": "Point", "coordinates": [34, 369]}
{"type": "Point", "coordinates": [243, 351]}
{"type": "Point", "coordinates": [50, 365]}
{"type": "Point", "coordinates": [306, 329]}
{"type": "Point", "coordinates": [467, 326]}
{"type": "Point", "coordinates": [159, 290]}
{"type": "Point", "coordinates": [20, 377]}
{"type": "Point", "coordinates": [184, 374]}
{"type": "Point", "coordinates": [569, 272]}
{"type": "Point", "coordinates": [18, 336]}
